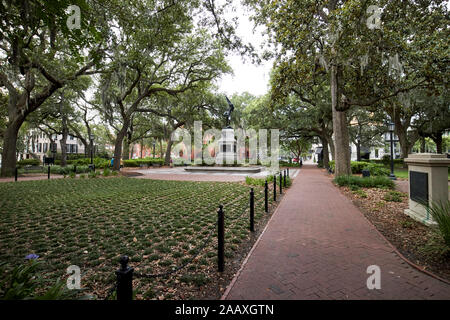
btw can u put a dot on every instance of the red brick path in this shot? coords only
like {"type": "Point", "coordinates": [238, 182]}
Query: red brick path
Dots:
{"type": "Point", "coordinates": [318, 246]}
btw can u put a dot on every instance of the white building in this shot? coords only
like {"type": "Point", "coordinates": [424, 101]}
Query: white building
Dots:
{"type": "Point", "coordinates": [38, 145]}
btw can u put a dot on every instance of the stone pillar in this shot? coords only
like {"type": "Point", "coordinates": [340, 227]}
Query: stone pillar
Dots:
{"type": "Point", "coordinates": [428, 182]}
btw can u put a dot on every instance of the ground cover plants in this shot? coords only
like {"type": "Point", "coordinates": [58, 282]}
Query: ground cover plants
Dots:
{"type": "Point", "coordinates": [92, 222]}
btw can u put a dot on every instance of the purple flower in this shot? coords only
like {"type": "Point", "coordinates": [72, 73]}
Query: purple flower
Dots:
{"type": "Point", "coordinates": [31, 256]}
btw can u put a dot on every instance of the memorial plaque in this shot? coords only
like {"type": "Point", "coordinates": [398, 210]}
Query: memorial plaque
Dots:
{"type": "Point", "coordinates": [418, 182]}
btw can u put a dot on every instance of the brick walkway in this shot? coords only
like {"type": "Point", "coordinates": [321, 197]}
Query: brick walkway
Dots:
{"type": "Point", "coordinates": [318, 246]}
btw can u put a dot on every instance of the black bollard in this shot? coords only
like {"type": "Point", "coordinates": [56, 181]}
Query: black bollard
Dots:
{"type": "Point", "coordinates": [15, 174]}
{"type": "Point", "coordinates": [75, 169]}
{"type": "Point", "coordinates": [48, 173]}
{"type": "Point", "coordinates": [288, 172]}
{"type": "Point", "coordinates": [274, 188]}
{"type": "Point", "coordinates": [281, 183]}
{"type": "Point", "coordinates": [266, 197]}
{"type": "Point", "coordinates": [220, 240]}
{"type": "Point", "coordinates": [285, 178]}
{"type": "Point", "coordinates": [124, 280]}
{"type": "Point", "coordinates": [252, 210]}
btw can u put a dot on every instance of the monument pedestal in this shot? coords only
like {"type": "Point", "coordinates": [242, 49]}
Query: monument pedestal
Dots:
{"type": "Point", "coordinates": [227, 147]}
{"type": "Point", "coordinates": [428, 183]}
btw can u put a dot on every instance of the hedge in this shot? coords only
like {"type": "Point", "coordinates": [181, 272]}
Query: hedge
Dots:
{"type": "Point", "coordinates": [375, 169]}
{"type": "Point", "coordinates": [28, 162]}
{"type": "Point", "coordinates": [139, 162]}
{"type": "Point", "coordinates": [368, 182]}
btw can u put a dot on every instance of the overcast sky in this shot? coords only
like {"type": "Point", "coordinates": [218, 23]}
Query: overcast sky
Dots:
{"type": "Point", "coordinates": [247, 77]}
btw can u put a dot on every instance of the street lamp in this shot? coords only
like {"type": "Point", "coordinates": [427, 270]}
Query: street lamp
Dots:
{"type": "Point", "coordinates": [91, 137]}
{"type": "Point", "coordinates": [391, 127]}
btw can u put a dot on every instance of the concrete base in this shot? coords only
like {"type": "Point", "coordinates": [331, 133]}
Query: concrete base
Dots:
{"type": "Point", "coordinates": [250, 170]}
{"type": "Point", "coordinates": [420, 217]}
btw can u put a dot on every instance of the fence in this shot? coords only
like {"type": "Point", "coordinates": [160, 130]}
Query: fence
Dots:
{"type": "Point", "coordinates": [124, 275]}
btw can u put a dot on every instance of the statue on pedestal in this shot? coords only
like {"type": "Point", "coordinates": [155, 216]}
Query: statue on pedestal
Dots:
{"type": "Point", "coordinates": [227, 114]}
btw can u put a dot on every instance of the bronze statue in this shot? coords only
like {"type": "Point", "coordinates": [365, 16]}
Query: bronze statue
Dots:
{"type": "Point", "coordinates": [227, 114]}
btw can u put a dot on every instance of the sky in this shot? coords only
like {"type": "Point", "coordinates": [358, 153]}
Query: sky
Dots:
{"type": "Point", "coordinates": [247, 76]}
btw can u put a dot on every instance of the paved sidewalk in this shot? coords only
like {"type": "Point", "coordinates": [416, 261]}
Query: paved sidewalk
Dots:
{"type": "Point", "coordinates": [318, 246]}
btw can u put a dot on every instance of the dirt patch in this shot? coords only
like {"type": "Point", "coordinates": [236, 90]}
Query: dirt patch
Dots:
{"type": "Point", "coordinates": [420, 244]}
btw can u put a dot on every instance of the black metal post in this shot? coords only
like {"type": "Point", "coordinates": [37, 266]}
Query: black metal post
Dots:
{"type": "Point", "coordinates": [75, 168]}
{"type": "Point", "coordinates": [274, 188]}
{"type": "Point", "coordinates": [15, 174]}
{"type": "Point", "coordinates": [48, 172]}
{"type": "Point", "coordinates": [92, 152]}
{"type": "Point", "coordinates": [288, 172]}
{"type": "Point", "coordinates": [220, 240]}
{"type": "Point", "coordinates": [281, 183]}
{"type": "Point", "coordinates": [252, 210]}
{"type": "Point", "coordinates": [266, 197]}
{"type": "Point", "coordinates": [124, 280]}
{"type": "Point", "coordinates": [284, 178]}
{"type": "Point", "coordinates": [392, 175]}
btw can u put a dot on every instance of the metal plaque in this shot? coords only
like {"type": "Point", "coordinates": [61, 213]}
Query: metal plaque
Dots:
{"type": "Point", "coordinates": [418, 182]}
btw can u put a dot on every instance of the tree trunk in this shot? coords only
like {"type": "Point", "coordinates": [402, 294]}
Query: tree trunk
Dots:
{"type": "Point", "coordinates": [422, 145]}
{"type": "Point", "coordinates": [9, 147]}
{"type": "Point", "coordinates": [358, 150]}
{"type": "Point", "coordinates": [326, 155]}
{"type": "Point", "coordinates": [438, 141]}
{"type": "Point", "coordinates": [161, 148]}
{"type": "Point", "coordinates": [126, 149]}
{"type": "Point", "coordinates": [168, 151]}
{"type": "Point", "coordinates": [331, 145]}
{"type": "Point", "coordinates": [118, 148]}
{"type": "Point", "coordinates": [340, 129]}
{"type": "Point", "coordinates": [63, 141]}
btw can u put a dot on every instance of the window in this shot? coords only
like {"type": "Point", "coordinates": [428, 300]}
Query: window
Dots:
{"type": "Point", "coordinates": [40, 147]}
{"type": "Point", "coordinates": [45, 147]}
{"type": "Point", "coordinates": [376, 153]}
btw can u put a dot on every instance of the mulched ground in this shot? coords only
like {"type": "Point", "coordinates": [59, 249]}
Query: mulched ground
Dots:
{"type": "Point", "coordinates": [420, 244]}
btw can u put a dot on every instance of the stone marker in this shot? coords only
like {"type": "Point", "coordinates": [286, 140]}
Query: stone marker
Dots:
{"type": "Point", "coordinates": [428, 183]}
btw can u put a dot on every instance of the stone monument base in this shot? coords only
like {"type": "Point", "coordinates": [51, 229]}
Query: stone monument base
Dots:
{"type": "Point", "coordinates": [422, 217]}
{"type": "Point", "coordinates": [227, 147]}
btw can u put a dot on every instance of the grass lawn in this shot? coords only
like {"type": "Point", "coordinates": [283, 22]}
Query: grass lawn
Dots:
{"type": "Point", "coordinates": [403, 173]}
{"type": "Point", "coordinates": [92, 222]}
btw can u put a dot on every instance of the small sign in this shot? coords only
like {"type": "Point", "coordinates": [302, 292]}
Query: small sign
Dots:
{"type": "Point", "coordinates": [418, 185]}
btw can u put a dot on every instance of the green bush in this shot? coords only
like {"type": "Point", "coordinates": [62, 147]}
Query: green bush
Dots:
{"type": "Point", "coordinates": [369, 182]}
{"type": "Point", "coordinates": [146, 162]}
{"type": "Point", "coordinates": [261, 181]}
{"type": "Point", "coordinates": [28, 162]}
{"type": "Point", "coordinates": [394, 196]}
{"type": "Point", "coordinates": [358, 166]}
{"type": "Point", "coordinates": [106, 172]}
{"type": "Point", "coordinates": [287, 164]}
{"type": "Point", "coordinates": [440, 211]}
{"type": "Point", "coordinates": [24, 280]}
{"type": "Point", "coordinates": [376, 169]}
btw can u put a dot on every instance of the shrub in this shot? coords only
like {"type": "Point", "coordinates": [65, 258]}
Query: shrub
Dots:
{"type": "Point", "coordinates": [369, 182]}
{"type": "Point", "coordinates": [394, 196]}
{"type": "Point", "coordinates": [261, 181]}
{"type": "Point", "coordinates": [440, 211]}
{"type": "Point", "coordinates": [72, 174]}
{"type": "Point", "coordinates": [376, 169]}
{"type": "Point", "coordinates": [24, 280]}
{"type": "Point", "coordinates": [106, 172]}
{"type": "Point", "coordinates": [28, 162]}
{"type": "Point", "coordinates": [358, 166]}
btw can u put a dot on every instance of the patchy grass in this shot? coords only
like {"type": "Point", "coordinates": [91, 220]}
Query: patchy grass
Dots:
{"type": "Point", "coordinates": [92, 222]}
